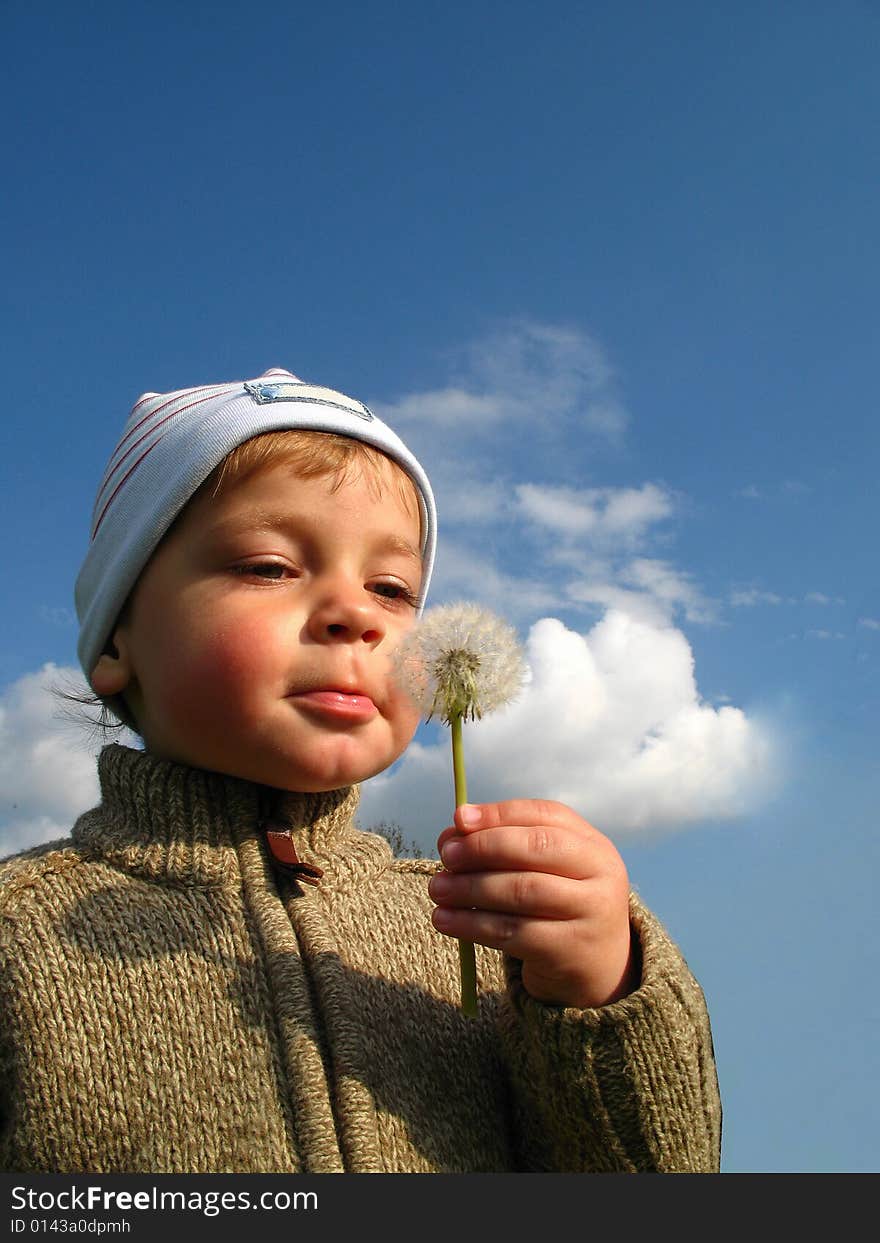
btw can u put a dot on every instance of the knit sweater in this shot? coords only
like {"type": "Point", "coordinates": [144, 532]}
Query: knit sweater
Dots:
{"type": "Point", "coordinates": [172, 1004]}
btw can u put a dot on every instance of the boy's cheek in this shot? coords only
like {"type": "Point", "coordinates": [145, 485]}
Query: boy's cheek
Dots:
{"type": "Point", "coordinates": [407, 716]}
{"type": "Point", "coordinates": [238, 649]}
{"type": "Point", "coordinates": [194, 675]}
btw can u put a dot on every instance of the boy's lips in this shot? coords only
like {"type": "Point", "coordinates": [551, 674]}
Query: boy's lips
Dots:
{"type": "Point", "coordinates": [335, 702]}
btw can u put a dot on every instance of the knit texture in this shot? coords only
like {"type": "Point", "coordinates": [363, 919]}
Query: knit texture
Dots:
{"type": "Point", "coordinates": [172, 1004]}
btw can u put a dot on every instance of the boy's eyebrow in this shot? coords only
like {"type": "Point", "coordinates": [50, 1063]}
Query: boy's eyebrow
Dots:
{"type": "Point", "coordinates": [396, 543]}
{"type": "Point", "coordinates": [268, 520]}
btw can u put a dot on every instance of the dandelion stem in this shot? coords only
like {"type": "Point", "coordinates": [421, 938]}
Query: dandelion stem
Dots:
{"type": "Point", "coordinates": [458, 760]}
{"type": "Point", "coordinates": [466, 953]}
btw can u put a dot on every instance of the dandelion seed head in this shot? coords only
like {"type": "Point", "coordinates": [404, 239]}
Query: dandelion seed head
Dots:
{"type": "Point", "coordinates": [460, 660]}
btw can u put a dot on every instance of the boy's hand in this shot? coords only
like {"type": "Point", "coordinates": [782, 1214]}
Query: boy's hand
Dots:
{"type": "Point", "coordinates": [533, 879]}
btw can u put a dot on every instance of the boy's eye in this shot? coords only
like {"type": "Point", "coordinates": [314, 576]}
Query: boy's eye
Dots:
{"type": "Point", "coordinates": [395, 592]}
{"type": "Point", "coordinates": [263, 569]}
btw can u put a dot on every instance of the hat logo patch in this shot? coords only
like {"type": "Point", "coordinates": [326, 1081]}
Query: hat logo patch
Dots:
{"type": "Point", "coordinates": [316, 394]}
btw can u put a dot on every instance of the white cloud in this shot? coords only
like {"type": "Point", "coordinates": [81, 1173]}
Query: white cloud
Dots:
{"type": "Point", "coordinates": [464, 571]}
{"type": "Point", "coordinates": [526, 396]}
{"type": "Point", "coordinates": [524, 378]}
{"type": "Point", "coordinates": [563, 510]}
{"type": "Point", "coordinates": [869, 623]}
{"type": "Point", "coordinates": [603, 515]}
{"type": "Point", "coordinates": [649, 590]}
{"type": "Point", "coordinates": [614, 522]}
{"type": "Point", "coordinates": [465, 499]}
{"type": "Point", "coordinates": [527, 393]}
{"type": "Point", "coordinates": [610, 723]}
{"type": "Point", "coordinates": [56, 615]}
{"type": "Point", "coordinates": [606, 595]}
{"type": "Point", "coordinates": [670, 587]}
{"type": "Point", "coordinates": [787, 488]}
{"type": "Point", "coordinates": [47, 765]}
{"type": "Point", "coordinates": [819, 597]}
{"type": "Point", "coordinates": [751, 596]}
{"type": "Point", "coordinates": [630, 511]}
{"type": "Point", "coordinates": [546, 369]}
{"type": "Point", "coordinates": [450, 408]}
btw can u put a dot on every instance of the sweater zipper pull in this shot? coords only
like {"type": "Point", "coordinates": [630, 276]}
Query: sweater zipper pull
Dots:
{"type": "Point", "coordinates": [280, 842]}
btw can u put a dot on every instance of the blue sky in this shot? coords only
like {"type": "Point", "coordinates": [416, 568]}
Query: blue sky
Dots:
{"type": "Point", "coordinates": [612, 271]}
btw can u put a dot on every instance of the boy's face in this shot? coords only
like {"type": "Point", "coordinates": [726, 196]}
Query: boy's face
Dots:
{"type": "Point", "coordinates": [257, 639]}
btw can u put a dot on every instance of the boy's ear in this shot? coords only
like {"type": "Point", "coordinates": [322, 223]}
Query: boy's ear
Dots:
{"type": "Point", "coordinates": [113, 672]}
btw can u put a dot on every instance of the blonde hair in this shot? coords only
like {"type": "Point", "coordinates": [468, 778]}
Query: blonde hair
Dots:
{"type": "Point", "coordinates": [312, 455]}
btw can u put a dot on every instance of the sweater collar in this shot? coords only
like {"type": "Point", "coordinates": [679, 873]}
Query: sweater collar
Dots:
{"type": "Point", "coordinates": [166, 821]}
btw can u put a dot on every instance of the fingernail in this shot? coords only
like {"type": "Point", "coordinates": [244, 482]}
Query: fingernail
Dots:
{"type": "Point", "coordinates": [451, 852]}
{"type": "Point", "coordinates": [440, 885]}
{"type": "Point", "coordinates": [470, 815]}
{"type": "Point", "coordinates": [441, 918]}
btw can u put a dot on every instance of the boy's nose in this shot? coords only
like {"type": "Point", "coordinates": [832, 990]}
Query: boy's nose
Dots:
{"type": "Point", "coordinates": [347, 616]}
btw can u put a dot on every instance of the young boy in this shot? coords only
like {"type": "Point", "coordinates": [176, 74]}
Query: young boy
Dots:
{"type": "Point", "coordinates": [217, 972]}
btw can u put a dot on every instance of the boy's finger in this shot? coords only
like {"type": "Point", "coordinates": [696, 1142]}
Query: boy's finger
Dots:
{"type": "Point", "coordinates": [462, 815]}
{"type": "Point", "coordinates": [518, 935]}
{"type": "Point", "coordinates": [519, 848]}
{"type": "Point", "coordinates": [526, 812]}
{"type": "Point", "coordinates": [534, 894]}
{"type": "Point", "coordinates": [445, 835]}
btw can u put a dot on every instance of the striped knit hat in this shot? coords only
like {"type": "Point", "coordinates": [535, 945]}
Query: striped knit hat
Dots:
{"type": "Point", "coordinates": [171, 443]}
